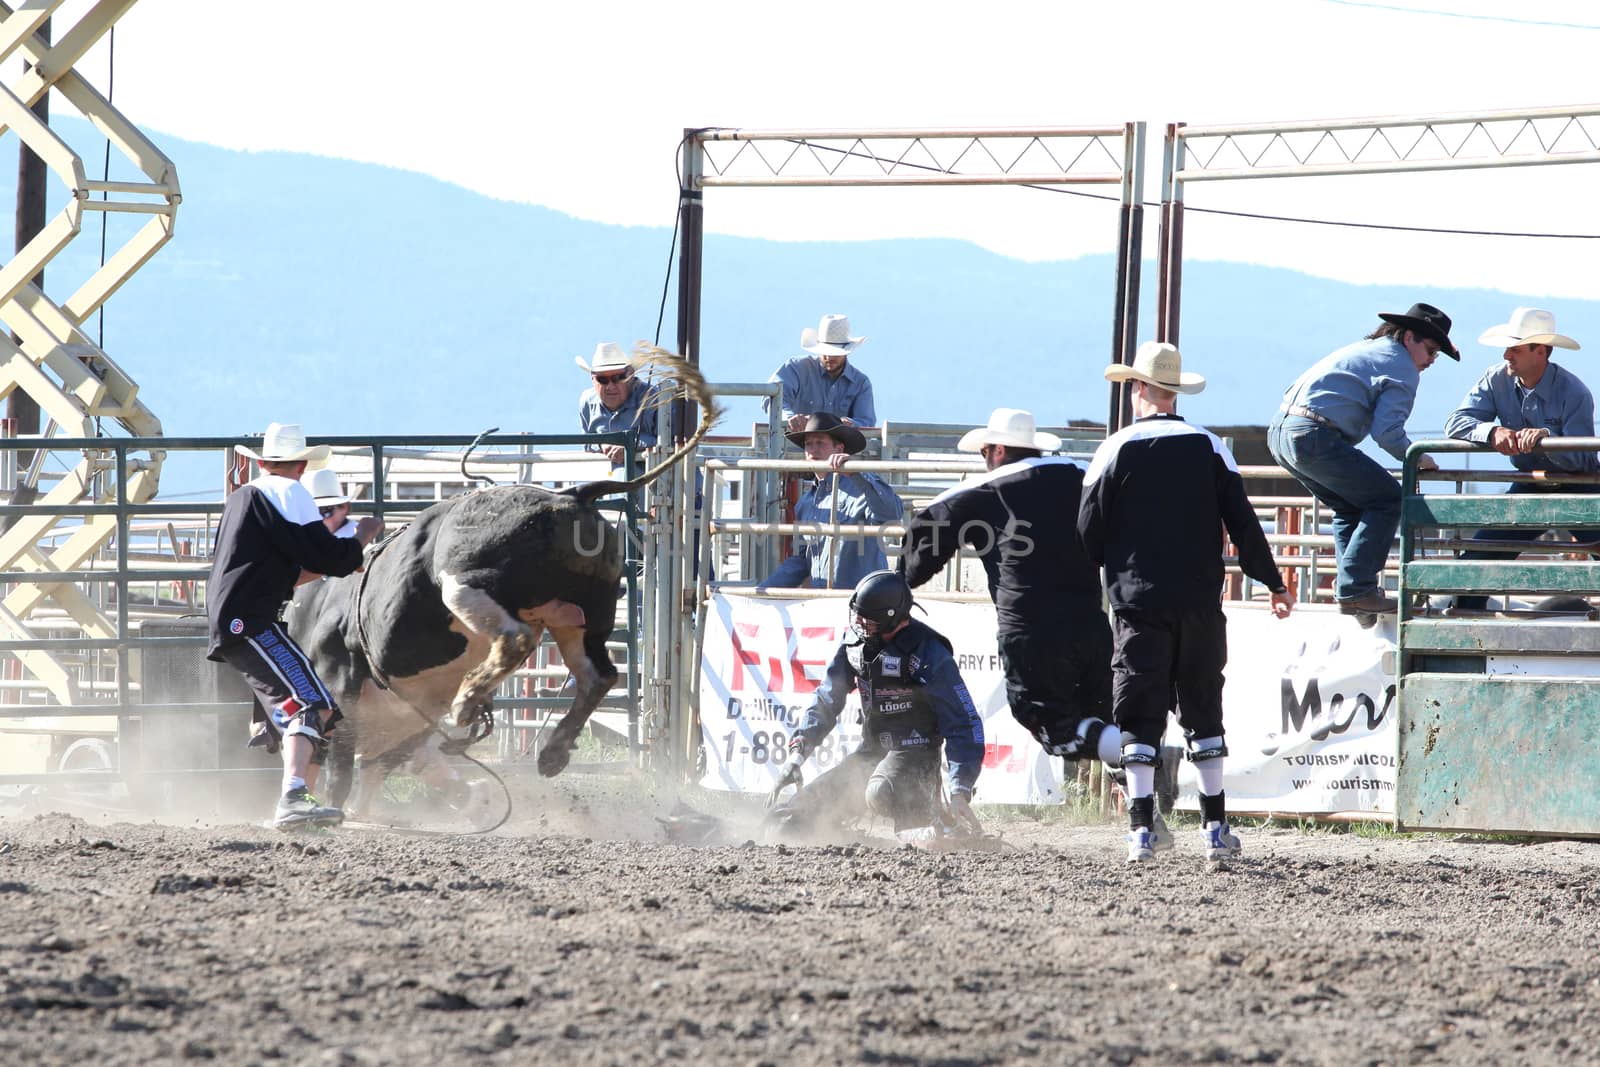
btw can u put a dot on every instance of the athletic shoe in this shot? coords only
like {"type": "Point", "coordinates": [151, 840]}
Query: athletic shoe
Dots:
{"type": "Point", "coordinates": [298, 808]}
{"type": "Point", "coordinates": [1141, 845]}
{"type": "Point", "coordinates": [1161, 837]}
{"type": "Point", "coordinates": [1220, 841]}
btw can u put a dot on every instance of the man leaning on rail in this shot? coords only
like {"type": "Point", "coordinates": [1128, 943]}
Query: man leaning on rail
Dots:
{"type": "Point", "coordinates": [825, 381]}
{"type": "Point", "coordinates": [824, 561]}
{"type": "Point", "coordinates": [1515, 405]}
{"type": "Point", "coordinates": [1363, 388]}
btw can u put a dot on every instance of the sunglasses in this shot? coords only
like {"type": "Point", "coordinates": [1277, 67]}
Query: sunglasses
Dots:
{"type": "Point", "coordinates": [328, 511]}
{"type": "Point", "coordinates": [609, 379]}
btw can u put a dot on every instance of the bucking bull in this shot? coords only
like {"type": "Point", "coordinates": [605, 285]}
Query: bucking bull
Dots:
{"type": "Point", "coordinates": [454, 602]}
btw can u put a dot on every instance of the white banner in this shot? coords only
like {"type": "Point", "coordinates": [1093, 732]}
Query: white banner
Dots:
{"type": "Point", "coordinates": [1309, 705]}
{"type": "Point", "coordinates": [765, 658]}
{"type": "Point", "coordinates": [1309, 708]}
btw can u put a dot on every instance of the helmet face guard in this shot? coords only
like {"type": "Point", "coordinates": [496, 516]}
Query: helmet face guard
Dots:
{"type": "Point", "coordinates": [880, 603]}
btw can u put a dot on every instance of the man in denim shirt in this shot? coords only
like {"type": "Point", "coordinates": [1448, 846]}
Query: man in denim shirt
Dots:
{"type": "Point", "coordinates": [1360, 389]}
{"type": "Point", "coordinates": [1517, 404]}
{"type": "Point", "coordinates": [825, 382]}
{"type": "Point", "coordinates": [824, 562]}
{"type": "Point", "coordinates": [617, 401]}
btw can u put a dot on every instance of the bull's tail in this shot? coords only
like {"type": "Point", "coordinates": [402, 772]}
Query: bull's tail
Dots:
{"type": "Point", "coordinates": [692, 385]}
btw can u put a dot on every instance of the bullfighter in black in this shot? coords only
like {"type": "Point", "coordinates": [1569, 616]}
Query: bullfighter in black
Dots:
{"type": "Point", "coordinates": [270, 534]}
{"type": "Point", "coordinates": [1156, 498]}
{"type": "Point", "coordinates": [1021, 520]}
{"type": "Point", "coordinates": [913, 703]}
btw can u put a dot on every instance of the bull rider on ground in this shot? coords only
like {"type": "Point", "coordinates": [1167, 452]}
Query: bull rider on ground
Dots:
{"type": "Point", "coordinates": [913, 705]}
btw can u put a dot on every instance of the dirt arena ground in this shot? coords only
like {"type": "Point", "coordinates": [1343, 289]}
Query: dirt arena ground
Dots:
{"type": "Point", "coordinates": [576, 935]}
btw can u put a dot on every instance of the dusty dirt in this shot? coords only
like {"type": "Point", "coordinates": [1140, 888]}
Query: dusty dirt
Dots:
{"type": "Point", "coordinates": [561, 940]}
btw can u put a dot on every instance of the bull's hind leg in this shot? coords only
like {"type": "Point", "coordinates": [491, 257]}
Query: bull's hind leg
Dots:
{"type": "Point", "coordinates": [593, 676]}
{"type": "Point", "coordinates": [510, 642]}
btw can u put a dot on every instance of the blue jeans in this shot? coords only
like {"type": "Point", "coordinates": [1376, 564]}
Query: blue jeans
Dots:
{"type": "Point", "coordinates": [1364, 498]}
{"type": "Point", "coordinates": [1478, 602]}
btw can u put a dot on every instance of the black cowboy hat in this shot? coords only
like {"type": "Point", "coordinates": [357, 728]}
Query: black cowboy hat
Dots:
{"type": "Point", "coordinates": [822, 422]}
{"type": "Point", "coordinates": [1427, 321]}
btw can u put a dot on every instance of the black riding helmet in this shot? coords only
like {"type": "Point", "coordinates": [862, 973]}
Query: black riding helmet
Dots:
{"type": "Point", "coordinates": [882, 597]}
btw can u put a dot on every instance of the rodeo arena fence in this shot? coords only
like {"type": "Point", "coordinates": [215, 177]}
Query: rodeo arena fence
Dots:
{"type": "Point", "coordinates": [103, 681]}
{"type": "Point", "coordinates": [1436, 718]}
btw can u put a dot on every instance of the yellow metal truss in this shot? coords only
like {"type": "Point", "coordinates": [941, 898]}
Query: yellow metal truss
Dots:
{"type": "Point", "coordinates": [55, 362]}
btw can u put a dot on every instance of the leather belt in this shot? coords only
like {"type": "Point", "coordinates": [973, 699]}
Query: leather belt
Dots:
{"type": "Point", "coordinates": [1307, 413]}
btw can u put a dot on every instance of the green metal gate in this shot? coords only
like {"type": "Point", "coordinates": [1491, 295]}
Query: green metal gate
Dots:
{"type": "Point", "coordinates": [1499, 712]}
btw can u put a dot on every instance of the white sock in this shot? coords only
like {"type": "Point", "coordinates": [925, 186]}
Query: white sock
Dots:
{"type": "Point", "coordinates": [1210, 772]}
{"type": "Point", "coordinates": [1141, 780]}
{"type": "Point", "coordinates": [291, 782]}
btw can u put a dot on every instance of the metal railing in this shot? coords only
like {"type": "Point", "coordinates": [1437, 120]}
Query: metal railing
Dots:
{"type": "Point", "coordinates": [91, 649]}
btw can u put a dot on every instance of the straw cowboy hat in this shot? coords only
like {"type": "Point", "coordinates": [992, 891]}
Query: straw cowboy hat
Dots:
{"type": "Point", "coordinates": [1011, 427]}
{"type": "Point", "coordinates": [285, 443]}
{"type": "Point", "coordinates": [1157, 363]}
{"type": "Point", "coordinates": [1528, 326]}
{"type": "Point", "coordinates": [1429, 322]}
{"type": "Point", "coordinates": [608, 355]}
{"type": "Point", "coordinates": [324, 487]}
{"type": "Point", "coordinates": [851, 438]}
{"type": "Point", "coordinates": [830, 338]}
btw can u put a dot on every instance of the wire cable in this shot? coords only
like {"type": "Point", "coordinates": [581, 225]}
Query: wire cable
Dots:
{"type": "Point", "coordinates": [1188, 209]}
{"type": "Point", "coordinates": [105, 173]}
{"type": "Point", "coordinates": [672, 249]}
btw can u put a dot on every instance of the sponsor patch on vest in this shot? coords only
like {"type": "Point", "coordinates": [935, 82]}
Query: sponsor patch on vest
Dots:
{"type": "Point", "coordinates": [236, 626]}
{"type": "Point", "coordinates": [890, 666]}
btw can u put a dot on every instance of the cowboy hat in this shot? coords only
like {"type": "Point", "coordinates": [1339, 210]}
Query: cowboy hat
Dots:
{"type": "Point", "coordinates": [823, 422]}
{"type": "Point", "coordinates": [286, 443]}
{"type": "Point", "coordinates": [1528, 326]}
{"type": "Point", "coordinates": [608, 355]}
{"type": "Point", "coordinates": [1011, 427]}
{"type": "Point", "coordinates": [1159, 364]}
{"type": "Point", "coordinates": [1430, 322]}
{"type": "Point", "coordinates": [830, 338]}
{"type": "Point", "coordinates": [324, 487]}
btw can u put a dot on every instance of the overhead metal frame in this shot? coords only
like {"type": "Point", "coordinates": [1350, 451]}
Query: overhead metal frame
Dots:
{"type": "Point", "coordinates": [1395, 144]}
{"type": "Point", "coordinates": [1026, 156]}
{"type": "Point", "coordinates": [1045, 156]}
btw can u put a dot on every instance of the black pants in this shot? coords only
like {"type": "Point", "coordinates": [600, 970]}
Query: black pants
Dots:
{"type": "Point", "coordinates": [1057, 676]}
{"type": "Point", "coordinates": [278, 671]}
{"type": "Point", "coordinates": [1165, 659]}
{"type": "Point", "coordinates": [906, 780]}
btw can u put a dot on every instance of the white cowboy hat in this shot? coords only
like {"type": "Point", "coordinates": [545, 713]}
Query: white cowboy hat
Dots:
{"type": "Point", "coordinates": [286, 443]}
{"type": "Point", "coordinates": [324, 487]}
{"type": "Point", "coordinates": [1011, 427]}
{"type": "Point", "coordinates": [608, 355]}
{"type": "Point", "coordinates": [830, 338]}
{"type": "Point", "coordinates": [1528, 326]}
{"type": "Point", "coordinates": [1158, 363]}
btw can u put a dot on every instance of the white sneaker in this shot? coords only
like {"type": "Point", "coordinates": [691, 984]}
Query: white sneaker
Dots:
{"type": "Point", "coordinates": [1220, 841]}
{"type": "Point", "coordinates": [298, 808]}
{"type": "Point", "coordinates": [1141, 845]}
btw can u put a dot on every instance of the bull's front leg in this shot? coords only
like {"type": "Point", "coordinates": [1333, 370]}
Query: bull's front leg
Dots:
{"type": "Point", "coordinates": [508, 649]}
{"type": "Point", "coordinates": [592, 676]}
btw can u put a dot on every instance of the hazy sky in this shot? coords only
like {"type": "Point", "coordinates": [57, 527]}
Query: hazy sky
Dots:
{"type": "Point", "coordinates": [579, 107]}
